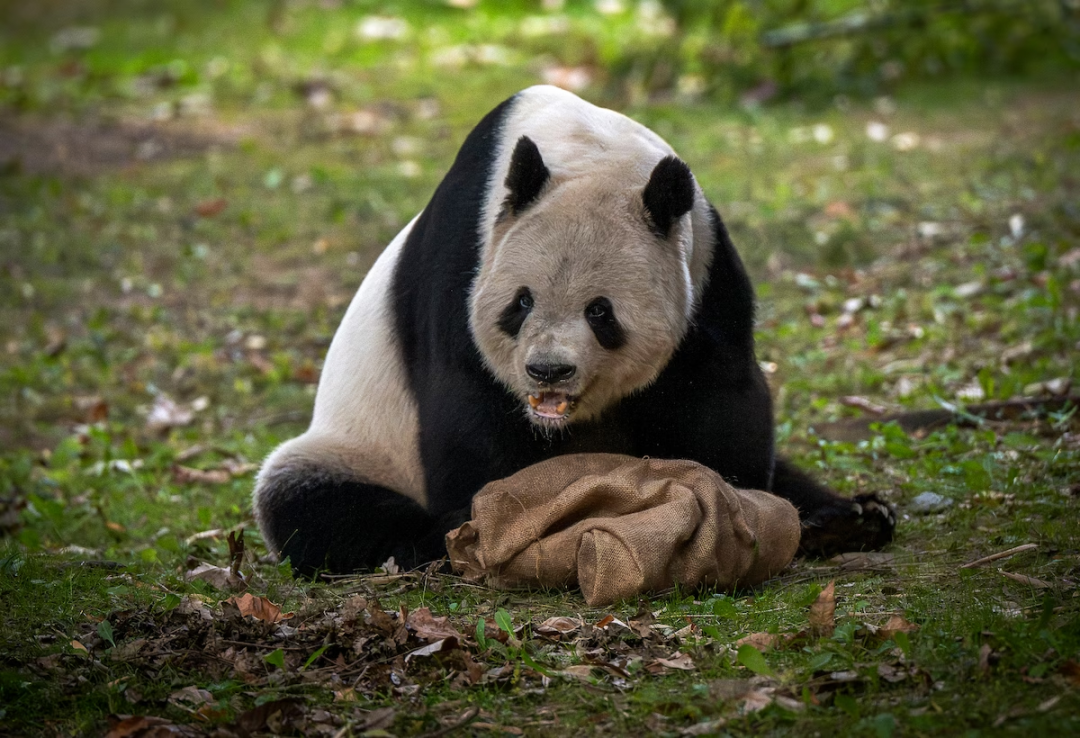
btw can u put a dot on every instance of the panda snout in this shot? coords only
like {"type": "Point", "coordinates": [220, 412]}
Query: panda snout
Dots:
{"type": "Point", "coordinates": [550, 373]}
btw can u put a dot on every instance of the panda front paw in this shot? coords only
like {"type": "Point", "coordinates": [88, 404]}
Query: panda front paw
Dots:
{"type": "Point", "coordinates": [862, 523]}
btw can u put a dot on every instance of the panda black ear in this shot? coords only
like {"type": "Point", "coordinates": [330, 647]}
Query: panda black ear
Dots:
{"type": "Point", "coordinates": [669, 194]}
{"type": "Point", "coordinates": [527, 176]}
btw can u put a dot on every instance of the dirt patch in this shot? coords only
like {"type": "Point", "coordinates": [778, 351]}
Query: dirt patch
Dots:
{"type": "Point", "coordinates": [34, 145]}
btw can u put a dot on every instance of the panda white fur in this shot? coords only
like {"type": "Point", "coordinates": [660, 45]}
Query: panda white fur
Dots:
{"type": "Point", "coordinates": [568, 288]}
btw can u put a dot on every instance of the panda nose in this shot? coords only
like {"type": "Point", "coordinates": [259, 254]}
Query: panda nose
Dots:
{"type": "Point", "coordinates": [550, 373]}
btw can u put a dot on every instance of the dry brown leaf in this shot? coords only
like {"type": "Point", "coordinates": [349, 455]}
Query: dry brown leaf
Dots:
{"type": "Point", "coordinates": [127, 651]}
{"type": "Point", "coordinates": [755, 700]}
{"type": "Point", "coordinates": [839, 209]}
{"type": "Point", "coordinates": [431, 628]}
{"type": "Point", "coordinates": [218, 577]}
{"type": "Point", "coordinates": [863, 403]}
{"type": "Point", "coordinates": [79, 647]}
{"type": "Point", "coordinates": [190, 696]}
{"type": "Point", "coordinates": [1071, 671]}
{"type": "Point", "coordinates": [210, 208]}
{"type": "Point", "coordinates": [167, 413]}
{"type": "Point", "coordinates": [188, 475]}
{"type": "Point", "coordinates": [93, 408]}
{"type": "Point", "coordinates": [709, 727]}
{"type": "Point", "coordinates": [259, 608]}
{"type": "Point", "coordinates": [579, 671]}
{"type": "Point", "coordinates": [557, 627]}
{"type": "Point", "coordinates": [444, 644]}
{"type": "Point", "coordinates": [345, 695]}
{"type": "Point", "coordinates": [985, 652]}
{"type": "Point", "coordinates": [388, 626]}
{"type": "Point", "coordinates": [823, 612]}
{"type": "Point", "coordinates": [194, 605]}
{"type": "Point", "coordinates": [132, 726]}
{"type": "Point", "coordinates": [761, 641]}
{"type": "Point", "coordinates": [894, 625]}
{"type": "Point", "coordinates": [605, 621]}
{"type": "Point", "coordinates": [500, 729]}
{"type": "Point", "coordinates": [678, 660]}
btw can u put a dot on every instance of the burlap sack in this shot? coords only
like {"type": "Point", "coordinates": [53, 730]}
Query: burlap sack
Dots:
{"type": "Point", "coordinates": [618, 526]}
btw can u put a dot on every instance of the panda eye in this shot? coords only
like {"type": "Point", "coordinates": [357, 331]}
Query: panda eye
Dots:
{"type": "Point", "coordinates": [597, 309]}
{"type": "Point", "coordinates": [514, 315]}
{"type": "Point", "coordinates": [600, 315]}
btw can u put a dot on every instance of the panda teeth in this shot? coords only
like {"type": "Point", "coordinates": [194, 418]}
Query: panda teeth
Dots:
{"type": "Point", "coordinates": [534, 401]}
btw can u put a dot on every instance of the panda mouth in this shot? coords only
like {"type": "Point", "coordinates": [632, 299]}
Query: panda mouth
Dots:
{"type": "Point", "coordinates": [552, 404]}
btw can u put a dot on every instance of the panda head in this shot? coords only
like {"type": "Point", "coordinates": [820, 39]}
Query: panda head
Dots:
{"type": "Point", "coordinates": [584, 291]}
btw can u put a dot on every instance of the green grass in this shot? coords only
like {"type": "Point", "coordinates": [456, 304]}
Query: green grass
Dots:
{"type": "Point", "coordinates": [115, 292]}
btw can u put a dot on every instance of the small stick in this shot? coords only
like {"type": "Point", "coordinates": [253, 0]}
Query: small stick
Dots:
{"type": "Point", "coordinates": [1023, 579]}
{"type": "Point", "coordinates": [999, 555]}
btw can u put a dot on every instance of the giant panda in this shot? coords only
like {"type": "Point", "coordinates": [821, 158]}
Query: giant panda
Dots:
{"type": "Point", "coordinates": [568, 289]}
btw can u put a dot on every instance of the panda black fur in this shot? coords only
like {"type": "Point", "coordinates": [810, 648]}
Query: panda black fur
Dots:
{"type": "Point", "coordinates": [568, 288]}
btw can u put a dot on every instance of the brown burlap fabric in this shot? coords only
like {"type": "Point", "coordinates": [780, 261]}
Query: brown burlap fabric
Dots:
{"type": "Point", "coordinates": [618, 526]}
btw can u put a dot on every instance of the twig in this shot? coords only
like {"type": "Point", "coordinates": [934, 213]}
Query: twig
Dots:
{"type": "Point", "coordinates": [1024, 579]}
{"type": "Point", "coordinates": [461, 722]}
{"type": "Point", "coordinates": [999, 555]}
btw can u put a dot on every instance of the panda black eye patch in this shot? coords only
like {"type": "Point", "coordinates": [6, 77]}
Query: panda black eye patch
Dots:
{"type": "Point", "coordinates": [600, 315]}
{"type": "Point", "coordinates": [514, 314]}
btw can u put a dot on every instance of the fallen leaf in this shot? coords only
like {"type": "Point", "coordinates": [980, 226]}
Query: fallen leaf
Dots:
{"type": "Point", "coordinates": [166, 413]}
{"type": "Point", "coordinates": [217, 577]}
{"type": "Point", "coordinates": [127, 651]}
{"type": "Point", "coordinates": [188, 475]}
{"type": "Point", "coordinates": [605, 621]}
{"type": "Point", "coordinates": [444, 644]}
{"type": "Point", "coordinates": [259, 608]}
{"type": "Point", "coordinates": [755, 700]}
{"type": "Point", "coordinates": [93, 408]}
{"type": "Point", "coordinates": [579, 671]}
{"type": "Point", "coordinates": [556, 627]}
{"type": "Point", "coordinates": [823, 612]}
{"type": "Point", "coordinates": [504, 729]}
{"type": "Point", "coordinates": [761, 641]}
{"type": "Point", "coordinates": [431, 628]}
{"type": "Point", "coordinates": [985, 652]}
{"type": "Point", "coordinates": [839, 209]}
{"type": "Point", "coordinates": [678, 660]}
{"type": "Point", "coordinates": [79, 647]}
{"type": "Point", "coordinates": [709, 727]}
{"type": "Point", "coordinates": [346, 695]}
{"type": "Point", "coordinates": [892, 673]}
{"type": "Point", "coordinates": [1071, 671]}
{"type": "Point", "coordinates": [210, 208]}
{"type": "Point", "coordinates": [863, 404]}
{"type": "Point", "coordinates": [143, 726]}
{"type": "Point", "coordinates": [894, 625]}
{"type": "Point", "coordinates": [190, 696]}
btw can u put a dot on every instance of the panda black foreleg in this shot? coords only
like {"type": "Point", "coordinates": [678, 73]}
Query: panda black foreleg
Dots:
{"type": "Point", "coordinates": [833, 524]}
{"type": "Point", "coordinates": [346, 526]}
